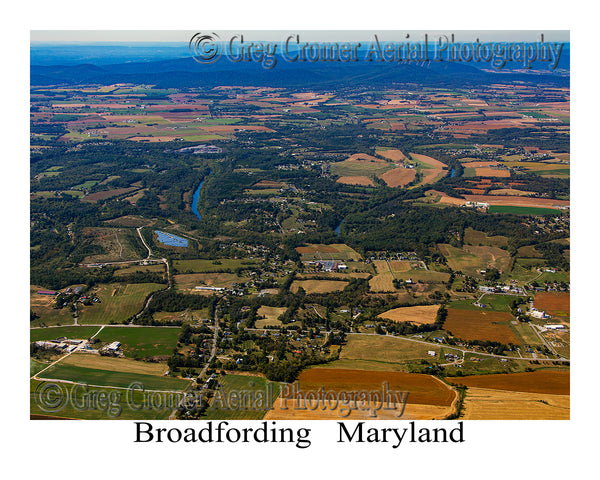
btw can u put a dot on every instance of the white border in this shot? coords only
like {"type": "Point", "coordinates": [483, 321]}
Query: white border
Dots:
{"type": "Point", "coordinates": [493, 449]}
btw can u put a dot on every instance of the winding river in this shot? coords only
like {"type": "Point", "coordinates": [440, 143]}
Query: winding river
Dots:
{"type": "Point", "coordinates": [196, 197]}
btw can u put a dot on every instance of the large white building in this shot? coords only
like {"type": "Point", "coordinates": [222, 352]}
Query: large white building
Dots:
{"type": "Point", "coordinates": [538, 313]}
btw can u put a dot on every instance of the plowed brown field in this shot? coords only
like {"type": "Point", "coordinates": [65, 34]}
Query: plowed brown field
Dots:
{"type": "Point", "coordinates": [356, 180]}
{"type": "Point", "coordinates": [428, 397]}
{"type": "Point", "coordinates": [554, 303]}
{"type": "Point", "coordinates": [398, 177]}
{"type": "Point", "coordinates": [541, 381]}
{"type": "Point", "coordinates": [480, 325]}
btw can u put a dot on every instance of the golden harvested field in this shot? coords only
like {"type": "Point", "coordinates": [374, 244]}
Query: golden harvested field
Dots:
{"type": "Point", "coordinates": [540, 165]}
{"type": "Point", "coordinates": [115, 364]}
{"type": "Point", "coordinates": [382, 282]}
{"type": "Point", "coordinates": [381, 266]}
{"type": "Point", "coordinates": [422, 315]}
{"type": "Point", "coordinates": [36, 300]}
{"type": "Point", "coordinates": [318, 286]}
{"type": "Point", "coordinates": [510, 191]}
{"type": "Point", "coordinates": [488, 404]}
{"type": "Point", "coordinates": [271, 315]}
{"type": "Point", "coordinates": [310, 249]}
{"type": "Point", "coordinates": [188, 281]}
{"type": "Point", "coordinates": [491, 172]}
{"type": "Point", "coordinates": [480, 325]}
{"type": "Point", "coordinates": [400, 265]}
{"type": "Point", "coordinates": [398, 177]}
{"type": "Point", "coordinates": [556, 382]}
{"type": "Point", "coordinates": [394, 155]}
{"type": "Point", "coordinates": [356, 180]}
{"type": "Point", "coordinates": [386, 349]}
{"type": "Point", "coordinates": [428, 160]}
{"type": "Point", "coordinates": [293, 411]}
{"type": "Point", "coordinates": [554, 303]}
{"type": "Point", "coordinates": [478, 164]}
{"type": "Point", "coordinates": [334, 251]}
{"type": "Point", "coordinates": [431, 175]}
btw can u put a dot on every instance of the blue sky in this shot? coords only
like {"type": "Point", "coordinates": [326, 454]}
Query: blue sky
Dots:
{"type": "Point", "coordinates": [130, 36]}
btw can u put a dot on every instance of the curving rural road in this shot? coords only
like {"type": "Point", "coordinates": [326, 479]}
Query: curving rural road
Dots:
{"type": "Point", "coordinates": [213, 352]}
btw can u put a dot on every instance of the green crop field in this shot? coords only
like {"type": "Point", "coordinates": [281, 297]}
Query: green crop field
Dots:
{"type": "Point", "coordinates": [474, 237]}
{"type": "Point", "coordinates": [523, 210]}
{"type": "Point", "coordinates": [118, 302]}
{"type": "Point", "coordinates": [254, 389]}
{"type": "Point", "coordinates": [458, 259]}
{"type": "Point", "coordinates": [36, 366]}
{"type": "Point", "coordinates": [79, 403]}
{"type": "Point", "coordinates": [371, 365]}
{"type": "Point", "coordinates": [560, 172]}
{"type": "Point", "coordinates": [74, 332]}
{"type": "Point", "coordinates": [85, 185]}
{"type": "Point", "coordinates": [111, 378]}
{"type": "Point", "coordinates": [524, 330]}
{"type": "Point", "coordinates": [142, 342]}
{"type": "Point", "coordinates": [554, 277]}
{"type": "Point", "coordinates": [496, 303]}
{"type": "Point", "coordinates": [477, 364]}
{"type": "Point", "coordinates": [141, 268]}
{"type": "Point", "coordinates": [206, 266]}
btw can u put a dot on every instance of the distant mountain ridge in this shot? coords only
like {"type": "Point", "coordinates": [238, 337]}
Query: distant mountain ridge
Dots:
{"type": "Point", "coordinates": [186, 72]}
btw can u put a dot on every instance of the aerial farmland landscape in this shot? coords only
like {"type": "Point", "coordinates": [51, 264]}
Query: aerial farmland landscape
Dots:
{"type": "Point", "coordinates": [220, 241]}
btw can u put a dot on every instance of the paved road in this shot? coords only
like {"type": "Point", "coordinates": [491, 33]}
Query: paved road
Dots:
{"type": "Point", "coordinates": [213, 352]}
{"type": "Point", "coordinates": [62, 357]}
{"type": "Point", "coordinates": [139, 231]}
{"type": "Point", "coordinates": [120, 246]}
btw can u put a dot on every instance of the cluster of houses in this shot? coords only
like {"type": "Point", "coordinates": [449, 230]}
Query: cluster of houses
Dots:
{"type": "Point", "coordinates": [482, 205]}
{"type": "Point", "coordinates": [511, 289]}
{"type": "Point", "coordinates": [67, 345]}
{"type": "Point", "coordinates": [327, 265]}
{"type": "Point", "coordinates": [63, 344]}
{"type": "Point", "coordinates": [198, 149]}
{"type": "Point", "coordinates": [540, 314]}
